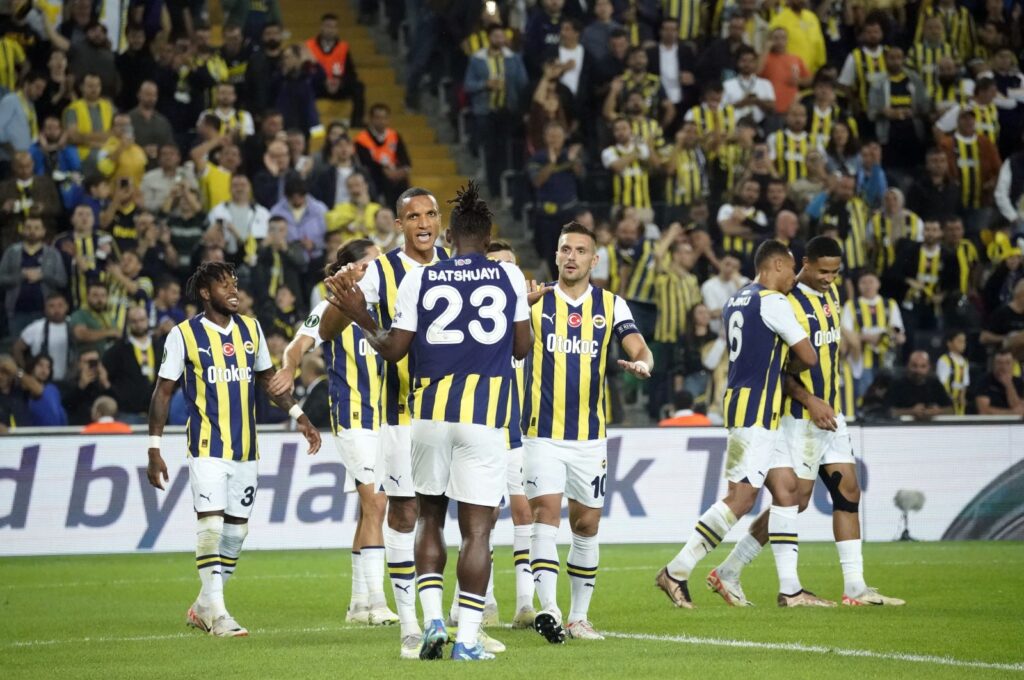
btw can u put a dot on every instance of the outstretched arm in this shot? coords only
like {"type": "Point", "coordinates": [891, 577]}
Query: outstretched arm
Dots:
{"type": "Point", "coordinates": [286, 402]}
{"type": "Point", "coordinates": [641, 360]}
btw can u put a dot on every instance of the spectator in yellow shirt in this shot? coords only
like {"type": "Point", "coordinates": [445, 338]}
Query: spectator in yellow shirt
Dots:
{"type": "Point", "coordinates": [804, 30]}
{"type": "Point", "coordinates": [120, 157]}
{"type": "Point", "coordinates": [356, 217]}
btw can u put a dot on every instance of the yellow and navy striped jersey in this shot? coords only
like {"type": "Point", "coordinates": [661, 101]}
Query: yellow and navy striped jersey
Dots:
{"type": "Point", "coordinates": [967, 152]}
{"type": "Point", "coordinates": [945, 97]}
{"type": "Point", "coordinates": [929, 265]}
{"type": "Point", "coordinates": [959, 25]}
{"type": "Point", "coordinates": [818, 314]}
{"type": "Point", "coordinates": [847, 390]}
{"type": "Point", "coordinates": [649, 130]}
{"type": "Point", "coordinates": [866, 67]}
{"type": "Point", "coordinates": [676, 294]}
{"type": "Point", "coordinates": [380, 286]}
{"type": "Point", "coordinates": [789, 151]}
{"type": "Point", "coordinates": [923, 58]}
{"type": "Point", "coordinates": [966, 258]}
{"type": "Point", "coordinates": [641, 267]}
{"type": "Point", "coordinates": [987, 120]}
{"type": "Point", "coordinates": [689, 14]}
{"type": "Point", "coordinates": [119, 300]}
{"type": "Point", "coordinates": [954, 373]}
{"type": "Point", "coordinates": [496, 72]}
{"type": "Point", "coordinates": [481, 40]}
{"type": "Point", "coordinates": [851, 221]}
{"type": "Point", "coordinates": [689, 181]}
{"type": "Point", "coordinates": [12, 58]}
{"type": "Point", "coordinates": [886, 231]}
{"type": "Point", "coordinates": [631, 184]}
{"type": "Point", "coordinates": [821, 122]}
{"type": "Point", "coordinates": [761, 326]}
{"type": "Point", "coordinates": [707, 119]}
{"type": "Point", "coordinates": [876, 316]}
{"type": "Point", "coordinates": [353, 374]}
{"type": "Point", "coordinates": [565, 373]}
{"type": "Point", "coordinates": [648, 85]}
{"type": "Point", "coordinates": [462, 311]}
{"type": "Point", "coordinates": [217, 368]}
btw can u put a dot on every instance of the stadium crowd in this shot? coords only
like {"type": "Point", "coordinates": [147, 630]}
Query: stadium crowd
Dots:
{"type": "Point", "coordinates": [683, 132]}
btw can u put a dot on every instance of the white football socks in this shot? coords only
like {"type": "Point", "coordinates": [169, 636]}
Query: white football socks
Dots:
{"type": "Point", "coordinates": [711, 528]}
{"type": "Point", "coordinates": [743, 553]}
{"type": "Point", "coordinates": [372, 564]}
{"type": "Point", "coordinates": [782, 535]}
{"type": "Point", "coordinates": [581, 565]}
{"type": "Point", "coordinates": [208, 534]}
{"type": "Point", "coordinates": [544, 563]}
{"type": "Point", "coordinates": [521, 557]}
{"type": "Point", "coordinates": [402, 569]}
{"type": "Point", "coordinates": [359, 598]}
{"type": "Point", "coordinates": [471, 613]}
{"type": "Point", "coordinates": [231, 539]}
{"type": "Point", "coordinates": [851, 559]}
{"type": "Point", "coordinates": [430, 588]}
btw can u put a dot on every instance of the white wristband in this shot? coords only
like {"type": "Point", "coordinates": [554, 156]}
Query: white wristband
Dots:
{"type": "Point", "coordinates": [295, 412]}
{"type": "Point", "coordinates": [154, 441]}
{"type": "Point", "coordinates": [638, 363]}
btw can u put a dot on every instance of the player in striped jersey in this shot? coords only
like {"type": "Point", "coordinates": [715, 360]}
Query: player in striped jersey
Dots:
{"type": "Point", "coordinates": [353, 375]}
{"type": "Point", "coordinates": [461, 402]}
{"type": "Point", "coordinates": [814, 440]}
{"type": "Point", "coordinates": [419, 219]}
{"type": "Point", "coordinates": [878, 325]}
{"type": "Point", "coordinates": [762, 333]}
{"type": "Point", "coordinates": [522, 518]}
{"type": "Point", "coordinates": [219, 356]}
{"type": "Point", "coordinates": [953, 371]}
{"type": "Point", "coordinates": [565, 445]}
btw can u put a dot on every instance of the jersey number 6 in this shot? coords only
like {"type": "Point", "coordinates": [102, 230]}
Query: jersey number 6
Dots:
{"type": "Point", "coordinates": [735, 336]}
{"type": "Point", "coordinates": [494, 311]}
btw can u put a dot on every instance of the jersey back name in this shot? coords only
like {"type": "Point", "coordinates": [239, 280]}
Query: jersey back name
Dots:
{"type": "Point", "coordinates": [462, 353]}
{"type": "Point", "coordinates": [753, 395]}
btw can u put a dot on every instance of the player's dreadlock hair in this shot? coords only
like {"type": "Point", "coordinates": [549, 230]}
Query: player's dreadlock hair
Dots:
{"type": "Point", "coordinates": [470, 216]}
{"type": "Point", "coordinates": [350, 251]}
{"type": "Point", "coordinates": [204, 276]}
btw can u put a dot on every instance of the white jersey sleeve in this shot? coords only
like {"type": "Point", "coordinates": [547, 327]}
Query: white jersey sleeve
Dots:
{"type": "Point", "coordinates": [943, 370]}
{"type": "Point", "coordinates": [370, 284]}
{"type": "Point", "coordinates": [172, 365]}
{"type": "Point", "coordinates": [777, 314]}
{"type": "Point", "coordinates": [263, 361]}
{"type": "Point", "coordinates": [518, 281]}
{"type": "Point", "coordinates": [311, 328]}
{"type": "Point", "coordinates": [608, 156]}
{"type": "Point", "coordinates": [407, 305]}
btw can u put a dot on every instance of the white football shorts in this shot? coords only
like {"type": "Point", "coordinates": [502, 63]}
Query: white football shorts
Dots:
{"type": "Point", "coordinates": [805, 447]}
{"type": "Point", "coordinates": [359, 450]}
{"type": "Point", "coordinates": [396, 456]}
{"type": "Point", "coordinates": [577, 469]}
{"type": "Point", "coordinates": [749, 454]}
{"type": "Point", "coordinates": [223, 485]}
{"type": "Point", "coordinates": [463, 461]}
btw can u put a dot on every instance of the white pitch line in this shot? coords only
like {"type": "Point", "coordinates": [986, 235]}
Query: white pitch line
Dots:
{"type": "Point", "coordinates": [817, 649]}
{"type": "Point", "coordinates": [175, 636]}
{"type": "Point", "coordinates": [677, 639]}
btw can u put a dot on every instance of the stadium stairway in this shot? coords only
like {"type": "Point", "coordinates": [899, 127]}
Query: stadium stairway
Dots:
{"type": "Point", "coordinates": [433, 166]}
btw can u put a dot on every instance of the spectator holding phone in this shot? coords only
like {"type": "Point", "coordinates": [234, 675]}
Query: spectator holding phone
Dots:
{"type": "Point", "coordinates": [88, 382]}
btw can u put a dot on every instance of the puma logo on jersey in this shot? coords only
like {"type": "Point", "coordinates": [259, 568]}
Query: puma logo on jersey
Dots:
{"type": "Point", "coordinates": [203, 495]}
{"type": "Point", "coordinates": [404, 589]}
{"type": "Point", "coordinates": [205, 350]}
{"type": "Point", "coordinates": [549, 317]}
{"type": "Point", "coordinates": [532, 482]}
{"type": "Point", "coordinates": [397, 480]}
{"type": "Point", "coordinates": [367, 469]}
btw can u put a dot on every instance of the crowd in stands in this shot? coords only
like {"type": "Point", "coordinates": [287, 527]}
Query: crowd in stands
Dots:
{"type": "Point", "coordinates": [684, 132]}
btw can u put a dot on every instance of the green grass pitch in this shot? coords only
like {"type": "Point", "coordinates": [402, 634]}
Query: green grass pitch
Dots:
{"type": "Point", "coordinates": [123, 617]}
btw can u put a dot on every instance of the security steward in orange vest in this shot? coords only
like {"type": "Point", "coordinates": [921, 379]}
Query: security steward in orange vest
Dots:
{"type": "Point", "coordinates": [338, 80]}
{"type": "Point", "coordinates": [382, 152]}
